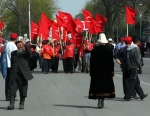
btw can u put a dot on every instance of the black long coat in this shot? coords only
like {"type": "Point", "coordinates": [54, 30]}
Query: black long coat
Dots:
{"type": "Point", "coordinates": [101, 68]}
{"type": "Point", "coordinates": [20, 64]}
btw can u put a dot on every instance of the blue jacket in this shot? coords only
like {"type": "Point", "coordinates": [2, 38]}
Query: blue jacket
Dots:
{"type": "Point", "coordinates": [3, 63]}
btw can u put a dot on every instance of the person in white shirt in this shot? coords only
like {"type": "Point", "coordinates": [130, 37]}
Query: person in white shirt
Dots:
{"type": "Point", "coordinates": [10, 46]}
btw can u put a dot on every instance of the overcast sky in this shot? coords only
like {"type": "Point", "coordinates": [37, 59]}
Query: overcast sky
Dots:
{"type": "Point", "coordinates": [71, 6]}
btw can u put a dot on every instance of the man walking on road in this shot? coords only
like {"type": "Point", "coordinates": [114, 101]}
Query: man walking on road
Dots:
{"type": "Point", "coordinates": [101, 72]}
{"type": "Point", "coordinates": [19, 73]}
{"type": "Point", "coordinates": [134, 68]}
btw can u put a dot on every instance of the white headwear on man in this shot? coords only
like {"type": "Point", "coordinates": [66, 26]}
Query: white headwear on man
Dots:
{"type": "Point", "coordinates": [27, 40]}
{"type": "Point", "coordinates": [102, 38]}
{"type": "Point", "coordinates": [19, 38]}
{"type": "Point", "coordinates": [110, 40]}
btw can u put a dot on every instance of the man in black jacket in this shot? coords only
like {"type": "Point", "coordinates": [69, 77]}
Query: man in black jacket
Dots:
{"type": "Point", "coordinates": [19, 73]}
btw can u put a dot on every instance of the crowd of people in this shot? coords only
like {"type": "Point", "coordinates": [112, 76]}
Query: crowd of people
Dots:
{"type": "Point", "coordinates": [19, 58]}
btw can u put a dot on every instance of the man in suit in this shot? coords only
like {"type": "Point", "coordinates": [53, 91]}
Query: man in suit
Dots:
{"type": "Point", "coordinates": [19, 73]}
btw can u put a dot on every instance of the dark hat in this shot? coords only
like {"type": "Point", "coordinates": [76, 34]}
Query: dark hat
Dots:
{"type": "Point", "coordinates": [17, 42]}
{"type": "Point", "coordinates": [33, 46]}
{"type": "Point", "coordinates": [13, 35]}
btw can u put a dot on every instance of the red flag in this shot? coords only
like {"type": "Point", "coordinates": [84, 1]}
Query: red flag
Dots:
{"type": "Point", "coordinates": [93, 29]}
{"type": "Point", "coordinates": [130, 15]}
{"type": "Point", "coordinates": [55, 31]}
{"type": "Point", "coordinates": [64, 18]}
{"type": "Point", "coordinates": [87, 18]}
{"type": "Point", "coordinates": [2, 24]}
{"type": "Point", "coordinates": [100, 20]}
{"type": "Point", "coordinates": [44, 26]}
{"type": "Point", "coordinates": [77, 38]}
{"type": "Point", "coordinates": [34, 30]}
{"type": "Point", "coordinates": [68, 21]}
{"type": "Point", "coordinates": [59, 21]}
{"type": "Point", "coordinates": [65, 35]}
{"type": "Point", "coordinates": [79, 25]}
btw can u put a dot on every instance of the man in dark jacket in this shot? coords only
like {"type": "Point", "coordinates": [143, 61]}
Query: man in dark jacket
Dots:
{"type": "Point", "coordinates": [19, 73]}
{"type": "Point", "coordinates": [134, 68]}
{"type": "Point", "coordinates": [121, 58]}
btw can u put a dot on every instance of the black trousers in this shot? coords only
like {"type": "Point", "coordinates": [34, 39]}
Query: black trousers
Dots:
{"type": "Point", "coordinates": [133, 83]}
{"type": "Point", "coordinates": [125, 81]}
{"type": "Point", "coordinates": [7, 85]}
{"type": "Point", "coordinates": [76, 61]}
{"type": "Point", "coordinates": [64, 64]}
{"type": "Point", "coordinates": [19, 83]}
{"type": "Point", "coordinates": [47, 65]}
{"type": "Point", "coordinates": [83, 64]}
{"type": "Point", "coordinates": [55, 64]}
{"type": "Point", "coordinates": [69, 65]}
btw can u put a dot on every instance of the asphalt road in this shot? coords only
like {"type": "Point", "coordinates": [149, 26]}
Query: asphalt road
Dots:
{"type": "Point", "coordinates": [67, 95]}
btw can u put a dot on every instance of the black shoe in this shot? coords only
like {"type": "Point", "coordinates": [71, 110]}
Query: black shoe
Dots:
{"type": "Point", "coordinates": [145, 96]}
{"type": "Point", "coordinates": [21, 106]}
{"type": "Point", "coordinates": [134, 97]}
{"type": "Point", "coordinates": [100, 103]}
{"type": "Point", "coordinates": [129, 99]}
{"type": "Point", "coordinates": [11, 106]}
{"type": "Point", "coordinates": [44, 72]}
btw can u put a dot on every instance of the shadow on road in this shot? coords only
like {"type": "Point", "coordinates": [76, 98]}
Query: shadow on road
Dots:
{"type": "Point", "coordinates": [76, 106]}
{"type": "Point", "coordinates": [2, 100]}
{"type": "Point", "coordinates": [3, 108]}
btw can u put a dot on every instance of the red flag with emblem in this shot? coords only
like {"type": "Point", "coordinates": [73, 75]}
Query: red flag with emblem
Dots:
{"type": "Point", "coordinates": [87, 18]}
{"type": "Point", "coordinates": [64, 18]}
{"type": "Point", "coordinates": [59, 21]}
{"type": "Point", "coordinates": [34, 30]}
{"type": "Point", "coordinates": [100, 20]}
{"type": "Point", "coordinates": [55, 31]}
{"type": "Point", "coordinates": [79, 25]}
{"type": "Point", "coordinates": [68, 21]}
{"type": "Point", "coordinates": [77, 38]}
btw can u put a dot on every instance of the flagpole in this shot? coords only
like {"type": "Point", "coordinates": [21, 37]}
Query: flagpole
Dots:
{"type": "Point", "coordinates": [127, 30]}
{"type": "Point", "coordinates": [60, 30]}
{"type": "Point", "coordinates": [29, 22]}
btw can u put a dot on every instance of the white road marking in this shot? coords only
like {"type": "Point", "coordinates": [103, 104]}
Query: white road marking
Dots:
{"type": "Point", "coordinates": [140, 81]}
{"type": "Point", "coordinates": [146, 58]}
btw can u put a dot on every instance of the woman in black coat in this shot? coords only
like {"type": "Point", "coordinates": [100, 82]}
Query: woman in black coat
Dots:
{"type": "Point", "coordinates": [101, 72]}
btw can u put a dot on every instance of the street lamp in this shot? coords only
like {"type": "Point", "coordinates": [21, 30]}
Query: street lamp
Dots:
{"type": "Point", "coordinates": [140, 22]}
{"type": "Point", "coordinates": [29, 22]}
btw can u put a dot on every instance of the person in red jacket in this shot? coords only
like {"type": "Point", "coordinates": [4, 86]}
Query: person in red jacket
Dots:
{"type": "Point", "coordinates": [47, 53]}
{"type": "Point", "coordinates": [69, 51]}
{"type": "Point", "coordinates": [56, 56]}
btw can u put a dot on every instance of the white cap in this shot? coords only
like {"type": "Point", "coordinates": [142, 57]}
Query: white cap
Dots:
{"type": "Point", "coordinates": [27, 40]}
{"type": "Point", "coordinates": [19, 38]}
{"type": "Point", "coordinates": [102, 38]}
{"type": "Point", "coordinates": [110, 39]}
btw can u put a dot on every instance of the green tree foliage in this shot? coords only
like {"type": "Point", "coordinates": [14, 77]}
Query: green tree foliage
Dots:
{"type": "Point", "coordinates": [16, 13]}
